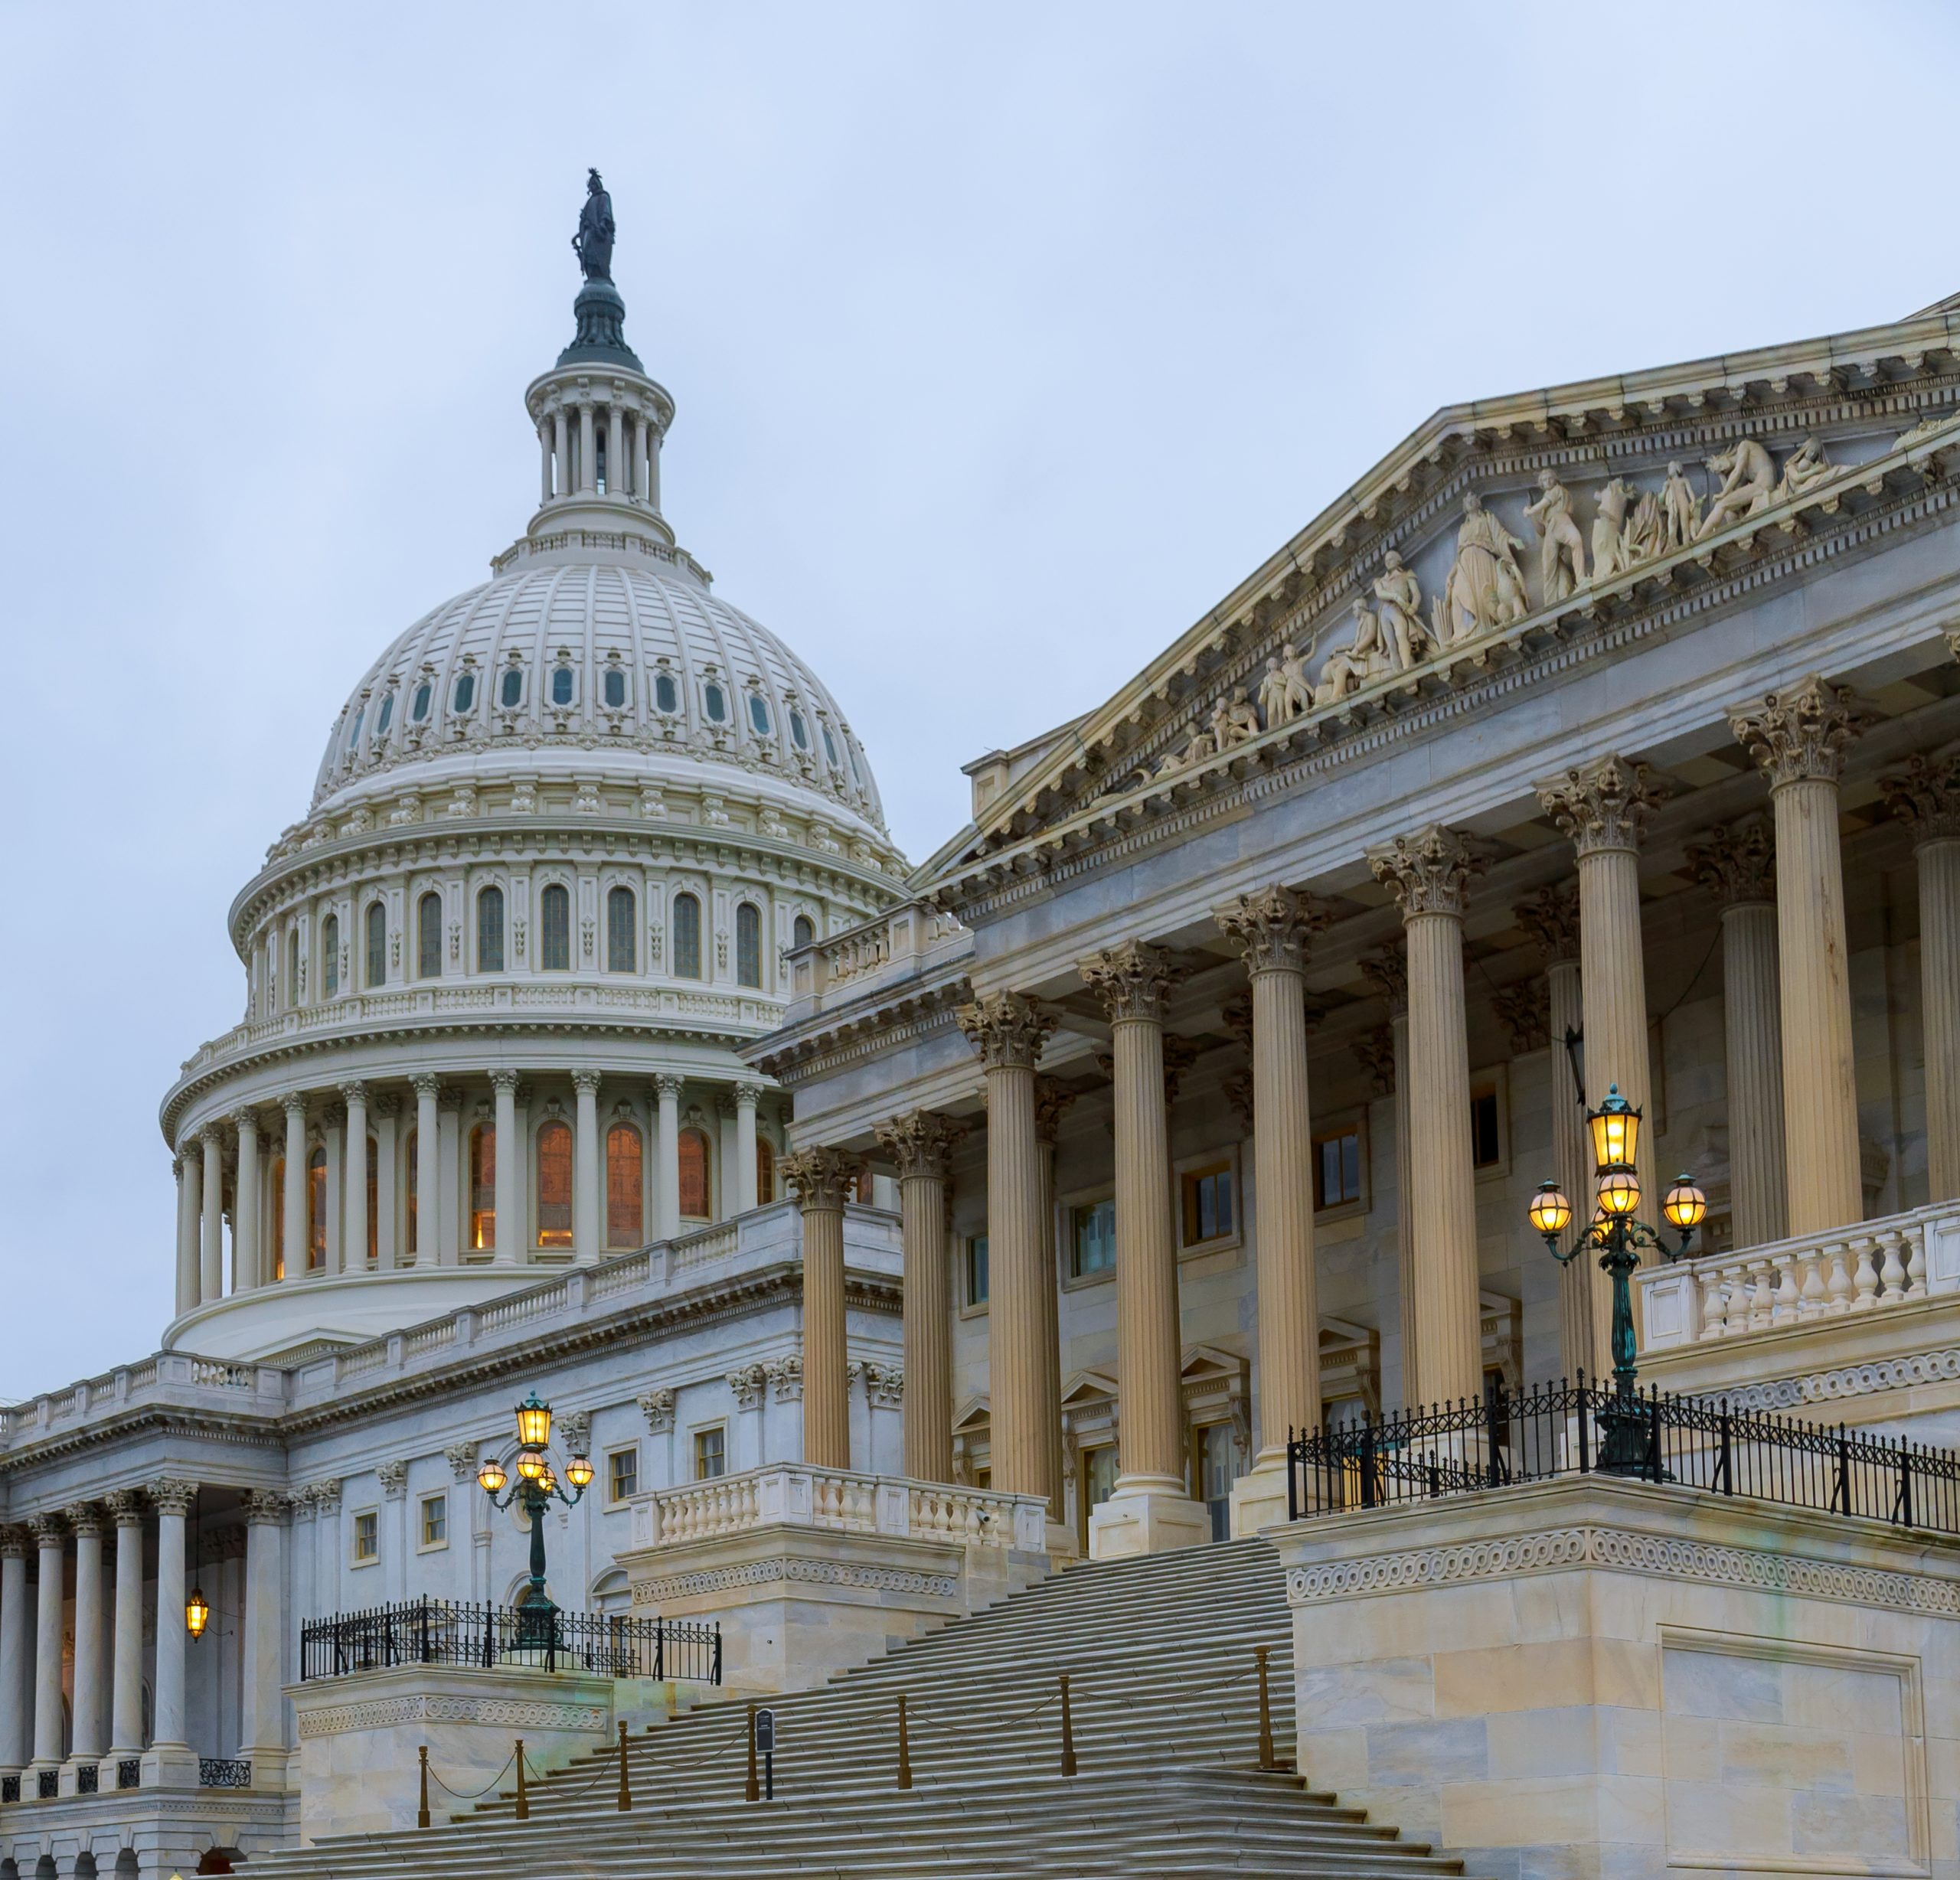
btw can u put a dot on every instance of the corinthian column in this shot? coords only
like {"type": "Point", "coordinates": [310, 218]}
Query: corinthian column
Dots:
{"type": "Point", "coordinates": [210, 1257]}
{"type": "Point", "coordinates": [667, 1156]}
{"type": "Point", "coordinates": [1271, 929]}
{"type": "Point", "coordinates": [1799, 738]}
{"type": "Point", "coordinates": [823, 1179]}
{"type": "Point", "coordinates": [919, 1145]}
{"type": "Point", "coordinates": [1387, 970]}
{"type": "Point", "coordinates": [1024, 1415]}
{"type": "Point", "coordinates": [354, 1161]}
{"type": "Point", "coordinates": [1738, 865]}
{"type": "Point", "coordinates": [87, 1738]}
{"type": "Point", "coordinates": [1428, 873]}
{"type": "Point", "coordinates": [586, 1238]}
{"type": "Point", "coordinates": [190, 1211]}
{"type": "Point", "coordinates": [293, 1201]}
{"type": "Point", "coordinates": [169, 1758]}
{"type": "Point", "coordinates": [1925, 795]}
{"type": "Point", "coordinates": [14, 1746]}
{"type": "Point", "coordinates": [430, 1249]}
{"type": "Point", "coordinates": [1603, 806]}
{"type": "Point", "coordinates": [262, 1719]}
{"type": "Point", "coordinates": [508, 1233]}
{"type": "Point", "coordinates": [1150, 1511]}
{"type": "Point", "coordinates": [50, 1539]}
{"type": "Point", "coordinates": [125, 1700]}
{"type": "Point", "coordinates": [1052, 1099]}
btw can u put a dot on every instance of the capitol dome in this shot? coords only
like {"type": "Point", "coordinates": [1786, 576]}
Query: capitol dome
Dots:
{"type": "Point", "coordinates": [569, 830]}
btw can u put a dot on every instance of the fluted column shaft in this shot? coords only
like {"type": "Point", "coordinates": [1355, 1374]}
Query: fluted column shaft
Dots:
{"type": "Point", "coordinates": [822, 1179]}
{"type": "Point", "coordinates": [667, 1093]}
{"type": "Point", "coordinates": [354, 1208]}
{"type": "Point", "coordinates": [87, 1737]}
{"type": "Point", "coordinates": [508, 1231]}
{"type": "Point", "coordinates": [1751, 1020]}
{"type": "Point", "coordinates": [168, 1725]}
{"type": "Point", "coordinates": [1428, 872]}
{"type": "Point", "coordinates": [561, 445]}
{"type": "Point", "coordinates": [388, 1166]}
{"type": "Point", "coordinates": [1939, 998]}
{"type": "Point", "coordinates": [746, 1097]}
{"type": "Point", "coordinates": [919, 1145]}
{"type": "Point", "coordinates": [246, 1272]}
{"type": "Point", "coordinates": [586, 1236]}
{"type": "Point", "coordinates": [190, 1210]}
{"type": "Point", "coordinates": [588, 457]}
{"type": "Point", "coordinates": [262, 1717]}
{"type": "Point", "coordinates": [293, 1200]}
{"type": "Point", "coordinates": [429, 1249]}
{"type": "Point", "coordinates": [14, 1710]}
{"type": "Point", "coordinates": [1051, 1101]}
{"type": "Point", "coordinates": [210, 1254]}
{"type": "Point", "coordinates": [125, 1704]}
{"type": "Point", "coordinates": [544, 460]}
{"type": "Point", "coordinates": [615, 451]}
{"type": "Point", "coordinates": [50, 1543]}
{"type": "Point", "coordinates": [1405, 1215]}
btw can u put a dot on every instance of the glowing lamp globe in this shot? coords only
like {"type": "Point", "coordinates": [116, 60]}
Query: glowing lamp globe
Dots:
{"type": "Point", "coordinates": [1685, 1206]}
{"type": "Point", "coordinates": [531, 1465]}
{"type": "Point", "coordinates": [196, 1613]}
{"type": "Point", "coordinates": [1619, 1192]}
{"type": "Point", "coordinates": [534, 1422]}
{"type": "Point", "coordinates": [1615, 1128]}
{"type": "Point", "coordinates": [1550, 1212]}
{"type": "Point", "coordinates": [578, 1471]}
{"type": "Point", "coordinates": [490, 1477]}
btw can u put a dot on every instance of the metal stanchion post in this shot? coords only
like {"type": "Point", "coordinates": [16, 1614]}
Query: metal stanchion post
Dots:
{"type": "Point", "coordinates": [753, 1793]}
{"type": "Point", "coordinates": [1068, 1730]}
{"type": "Point", "coordinates": [1266, 1759]}
{"type": "Point", "coordinates": [523, 1800]}
{"type": "Point", "coordinates": [626, 1790]}
{"type": "Point", "coordinates": [904, 1747]}
{"type": "Point", "coordinates": [422, 1808]}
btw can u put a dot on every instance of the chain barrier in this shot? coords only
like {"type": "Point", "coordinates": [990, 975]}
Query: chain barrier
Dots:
{"type": "Point", "coordinates": [474, 1794]}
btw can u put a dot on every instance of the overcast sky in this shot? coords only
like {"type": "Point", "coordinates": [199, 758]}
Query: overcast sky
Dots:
{"type": "Point", "coordinates": [1005, 340]}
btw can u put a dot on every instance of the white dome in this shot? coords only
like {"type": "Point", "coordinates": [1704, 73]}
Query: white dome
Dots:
{"type": "Point", "coordinates": [619, 658]}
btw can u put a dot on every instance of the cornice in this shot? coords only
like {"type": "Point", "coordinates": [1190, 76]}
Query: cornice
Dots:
{"type": "Point", "coordinates": [877, 1023]}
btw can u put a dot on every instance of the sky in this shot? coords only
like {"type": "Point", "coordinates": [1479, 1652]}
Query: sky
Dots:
{"type": "Point", "coordinates": [1005, 341]}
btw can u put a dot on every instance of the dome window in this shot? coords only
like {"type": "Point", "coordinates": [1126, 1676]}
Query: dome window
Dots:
{"type": "Point", "coordinates": [799, 731]}
{"type": "Point", "coordinates": [830, 749]}
{"type": "Point", "coordinates": [616, 689]}
{"type": "Point", "coordinates": [666, 695]}
{"type": "Point", "coordinates": [387, 715]}
{"type": "Point", "coordinates": [511, 689]}
{"type": "Point", "coordinates": [555, 922]}
{"type": "Point", "coordinates": [561, 685]}
{"type": "Point", "coordinates": [466, 694]}
{"type": "Point", "coordinates": [421, 702]}
{"type": "Point", "coordinates": [758, 713]}
{"type": "Point", "coordinates": [353, 730]}
{"type": "Point", "coordinates": [717, 705]}
{"type": "Point", "coordinates": [749, 945]}
{"type": "Point", "coordinates": [687, 936]}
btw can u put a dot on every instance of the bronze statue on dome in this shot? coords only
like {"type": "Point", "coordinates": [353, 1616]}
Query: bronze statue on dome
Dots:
{"type": "Point", "coordinates": [593, 242]}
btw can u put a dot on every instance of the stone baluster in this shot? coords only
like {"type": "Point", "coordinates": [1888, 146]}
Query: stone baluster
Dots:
{"type": "Point", "coordinates": [919, 1145]}
{"type": "Point", "coordinates": [1866, 1279]}
{"type": "Point", "coordinates": [1916, 1262]}
{"type": "Point", "coordinates": [1798, 737]}
{"type": "Point", "coordinates": [822, 1179]}
{"type": "Point", "coordinates": [1762, 1299]}
{"type": "Point", "coordinates": [1428, 873]}
{"type": "Point", "coordinates": [1925, 795]}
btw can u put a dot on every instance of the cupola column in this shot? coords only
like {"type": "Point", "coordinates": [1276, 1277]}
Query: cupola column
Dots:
{"type": "Point", "coordinates": [616, 476]}
{"type": "Point", "coordinates": [667, 1093]}
{"type": "Point", "coordinates": [746, 1097]}
{"type": "Point", "coordinates": [428, 1248]}
{"type": "Point", "coordinates": [587, 1237]}
{"type": "Point", "coordinates": [245, 1206]}
{"type": "Point", "coordinates": [509, 1235]}
{"type": "Point", "coordinates": [388, 1160]}
{"type": "Point", "coordinates": [561, 440]}
{"type": "Point", "coordinates": [190, 1209]}
{"type": "Point", "coordinates": [298, 1184]}
{"type": "Point", "coordinates": [588, 466]}
{"type": "Point", "coordinates": [210, 1261]}
{"type": "Point", "coordinates": [544, 460]}
{"type": "Point", "coordinates": [354, 1161]}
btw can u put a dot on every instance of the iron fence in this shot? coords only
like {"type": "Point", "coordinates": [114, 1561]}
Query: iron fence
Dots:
{"type": "Point", "coordinates": [224, 1772]}
{"type": "Point", "coordinates": [130, 1773]}
{"type": "Point", "coordinates": [1579, 1428]}
{"type": "Point", "coordinates": [88, 1778]}
{"type": "Point", "coordinates": [451, 1632]}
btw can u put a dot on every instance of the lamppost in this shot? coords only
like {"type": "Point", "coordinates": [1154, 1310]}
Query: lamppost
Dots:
{"type": "Point", "coordinates": [533, 1490]}
{"type": "Point", "coordinates": [1617, 1237]}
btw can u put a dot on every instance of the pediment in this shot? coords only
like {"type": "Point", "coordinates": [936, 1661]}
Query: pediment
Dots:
{"type": "Point", "coordinates": [1088, 1389]}
{"type": "Point", "coordinates": [1202, 1365]}
{"type": "Point", "coordinates": [972, 1416]}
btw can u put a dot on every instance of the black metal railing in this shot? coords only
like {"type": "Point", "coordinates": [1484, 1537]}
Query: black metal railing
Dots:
{"type": "Point", "coordinates": [449, 1632]}
{"type": "Point", "coordinates": [224, 1772]}
{"type": "Point", "coordinates": [10, 1789]}
{"type": "Point", "coordinates": [130, 1773]}
{"type": "Point", "coordinates": [1559, 1428]}
{"type": "Point", "coordinates": [88, 1778]}
{"type": "Point", "coordinates": [47, 1784]}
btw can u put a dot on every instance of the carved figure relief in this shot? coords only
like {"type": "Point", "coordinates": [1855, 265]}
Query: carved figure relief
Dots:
{"type": "Point", "coordinates": [1611, 554]}
{"type": "Point", "coordinates": [1234, 721]}
{"type": "Point", "coordinates": [1485, 589]}
{"type": "Point", "coordinates": [1400, 595]}
{"type": "Point", "coordinates": [1804, 469]}
{"type": "Point", "coordinates": [1348, 668]}
{"type": "Point", "coordinates": [1680, 509]}
{"type": "Point", "coordinates": [1561, 549]}
{"type": "Point", "coordinates": [1748, 484]}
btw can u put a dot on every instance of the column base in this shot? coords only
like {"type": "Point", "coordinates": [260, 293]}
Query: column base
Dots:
{"type": "Point", "coordinates": [1258, 1497]}
{"type": "Point", "coordinates": [269, 1765]}
{"type": "Point", "coordinates": [1063, 1549]}
{"type": "Point", "coordinates": [170, 1765]}
{"type": "Point", "coordinates": [1147, 1515]}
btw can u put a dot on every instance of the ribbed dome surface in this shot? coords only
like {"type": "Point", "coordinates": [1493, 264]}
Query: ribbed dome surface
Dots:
{"type": "Point", "coordinates": [600, 661]}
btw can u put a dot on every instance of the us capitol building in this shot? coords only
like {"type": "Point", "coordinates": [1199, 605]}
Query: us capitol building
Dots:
{"type": "Point", "coordinates": [926, 1267]}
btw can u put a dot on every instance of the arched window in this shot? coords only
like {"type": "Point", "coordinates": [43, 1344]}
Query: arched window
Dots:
{"type": "Point", "coordinates": [666, 694]}
{"type": "Point", "coordinates": [353, 730]}
{"type": "Point", "coordinates": [554, 921]}
{"type": "Point", "coordinates": [829, 748]}
{"type": "Point", "coordinates": [377, 944]}
{"type": "Point", "coordinates": [765, 1171]}
{"type": "Point", "coordinates": [421, 702]}
{"type": "Point", "coordinates": [465, 693]}
{"type": "Point", "coordinates": [561, 685]}
{"type": "Point", "coordinates": [429, 936]}
{"type": "Point", "coordinates": [686, 936]}
{"type": "Point", "coordinates": [758, 713]}
{"type": "Point", "coordinates": [804, 932]}
{"type": "Point", "coordinates": [621, 926]}
{"type": "Point", "coordinates": [554, 1185]}
{"type": "Point", "coordinates": [510, 688]}
{"type": "Point", "coordinates": [616, 689]}
{"type": "Point", "coordinates": [276, 1188]}
{"type": "Point", "coordinates": [694, 1173]}
{"type": "Point", "coordinates": [291, 968]}
{"type": "Point", "coordinates": [373, 1202]}
{"type": "Point", "coordinates": [387, 712]}
{"type": "Point", "coordinates": [330, 947]}
{"type": "Point", "coordinates": [490, 931]}
{"type": "Point", "coordinates": [748, 944]}
{"type": "Point", "coordinates": [625, 1189]}
{"type": "Point", "coordinates": [483, 1187]}
{"type": "Point", "coordinates": [799, 730]}
{"type": "Point", "coordinates": [316, 1211]}
{"type": "Point", "coordinates": [414, 1176]}
{"type": "Point", "coordinates": [712, 698]}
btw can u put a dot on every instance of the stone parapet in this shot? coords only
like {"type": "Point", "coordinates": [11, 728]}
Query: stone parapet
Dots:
{"type": "Point", "coordinates": [1587, 1677]}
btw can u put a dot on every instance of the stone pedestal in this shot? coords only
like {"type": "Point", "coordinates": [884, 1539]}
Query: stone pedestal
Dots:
{"type": "Point", "coordinates": [1140, 1519]}
{"type": "Point", "coordinates": [359, 1738]}
{"type": "Point", "coordinates": [1589, 1677]}
{"type": "Point", "coordinates": [810, 1571]}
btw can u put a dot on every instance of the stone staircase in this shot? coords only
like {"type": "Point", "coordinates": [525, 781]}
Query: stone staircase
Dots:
{"type": "Point", "coordinates": [1163, 1700]}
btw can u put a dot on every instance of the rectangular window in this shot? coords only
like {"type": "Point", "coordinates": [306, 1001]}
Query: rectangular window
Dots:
{"type": "Point", "coordinates": [1092, 1238]}
{"type": "Point", "coordinates": [435, 1521]}
{"type": "Point", "coordinates": [490, 931]}
{"type": "Point", "coordinates": [367, 1537]}
{"type": "Point", "coordinates": [622, 1474]}
{"type": "Point", "coordinates": [975, 1288]}
{"type": "Point", "coordinates": [1213, 1473]}
{"type": "Point", "coordinates": [710, 1454]}
{"type": "Point", "coordinates": [1207, 1197]}
{"type": "Point", "coordinates": [622, 928]}
{"type": "Point", "coordinates": [1338, 1167]}
{"type": "Point", "coordinates": [428, 938]}
{"type": "Point", "coordinates": [1486, 1141]}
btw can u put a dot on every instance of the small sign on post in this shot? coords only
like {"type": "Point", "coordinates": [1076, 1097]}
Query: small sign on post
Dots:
{"type": "Point", "coordinates": [766, 1748]}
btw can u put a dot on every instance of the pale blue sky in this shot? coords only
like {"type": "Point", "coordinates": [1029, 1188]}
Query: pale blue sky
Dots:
{"type": "Point", "coordinates": [1005, 340]}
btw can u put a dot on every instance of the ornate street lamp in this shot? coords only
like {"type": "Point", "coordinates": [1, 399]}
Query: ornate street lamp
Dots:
{"type": "Point", "coordinates": [1617, 1236]}
{"type": "Point", "coordinates": [534, 1489]}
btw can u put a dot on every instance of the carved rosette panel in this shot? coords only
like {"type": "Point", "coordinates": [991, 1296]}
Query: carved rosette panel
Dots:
{"type": "Point", "coordinates": [1271, 929]}
{"type": "Point", "coordinates": [1007, 1028]}
{"type": "Point", "coordinates": [1551, 918]}
{"type": "Point", "coordinates": [1802, 735]}
{"type": "Point", "coordinates": [1737, 866]}
{"type": "Point", "coordinates": [1132, 980]}
{"type": "Point", "coordinates": [823, 1178]}
{"type": "Point", "coordinates": [1924, 794]}
{"type": "Point", "coordinates": [1427, 872]}
{"type": "Point", "coordinates": [1601, 805]}
{"type": "Point", "coordinates": [920, 1142]}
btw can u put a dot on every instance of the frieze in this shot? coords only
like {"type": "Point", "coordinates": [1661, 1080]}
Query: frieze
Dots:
{"type": "Point", "coordinates": [847, 1573]}
{"type": "Point", "coordinates": [507, 1713]}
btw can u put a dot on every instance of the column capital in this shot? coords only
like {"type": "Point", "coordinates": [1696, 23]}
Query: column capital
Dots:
{"type": "Point", "coordinates": [324, 1494]}
{"type": "Point", "coordinates": [748, 1095]}
{"type": "Point", "coordinates": [212, 1134]}
{"type": "Point", "coordinates": [170, 1495]}
{"type": "Point", "coordinates": [822, 1178]}
{"type": "Point", "coordinates": [294, 1104]}
{"type": "Point", "coordinates": [1387, 970]}
{"type": "Point", "coordinates": [424, 1083]}
{"type": "Point", "coordinates": [1800, 734]}
{"type": "Point", "coordinates": [667, 1085]}
{"type": "Point", "coordinates": [265, 1507]}
{"type": "Point", "coordinates": [354, 1091]}
{"type": "Point", "coordinates": [1601, 805]}
{"type": "Point", "coordinates": [1271, 927]}
{"type": "Point", "coordinates": [920, 1142]}
{"type": "Point", "coordinates": [586, 1082]}
{"type": "Point", "coordinates": [1132, 980]}
{"type": "Point", "coordinates": [1375, 1053]}
{"type": "Point", "coordinates": [49, 1530]}
{"type": "Point", "coordinates": [1551, 918]}
{"type": "Point", "coordinates": [461, 1459]}
{"type": "Point", "coordinates": [13, 1542]}
{"type": "Point", "coordinates": [246, 1121]}
{"type": "Point", "coordinates": [124, 1506]}
{"type": "Point", "coordinates": [1924, 794]}
{"type": "Point", "coordinates": [84, 1517]}
{"type": "Point", "coordinates": [1524, 1009]}
{"type": "Point", "coordinates": [334, 1116]}
{"type": "Point", "coordinates": [1427, 872]}
{"type": "Point", "coordinates": [1052, 1099]}
{"type": "Point", "coordinates": [1736, 865]}
{"type": "Point", "coordinates": [505, 1080]}
{"type": "Point", "coordinates": [1007, 1028]}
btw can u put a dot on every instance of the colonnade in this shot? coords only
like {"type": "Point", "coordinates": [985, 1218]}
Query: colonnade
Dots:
{"type": "Point", "coordinates": [1792, 1095]}
{"type": "Point", "coordinates": [339, 1123]}
{"type": "Point", "coordinates": [106, 1722]}
{"type": "Point", "coordinates": [569, 434]}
